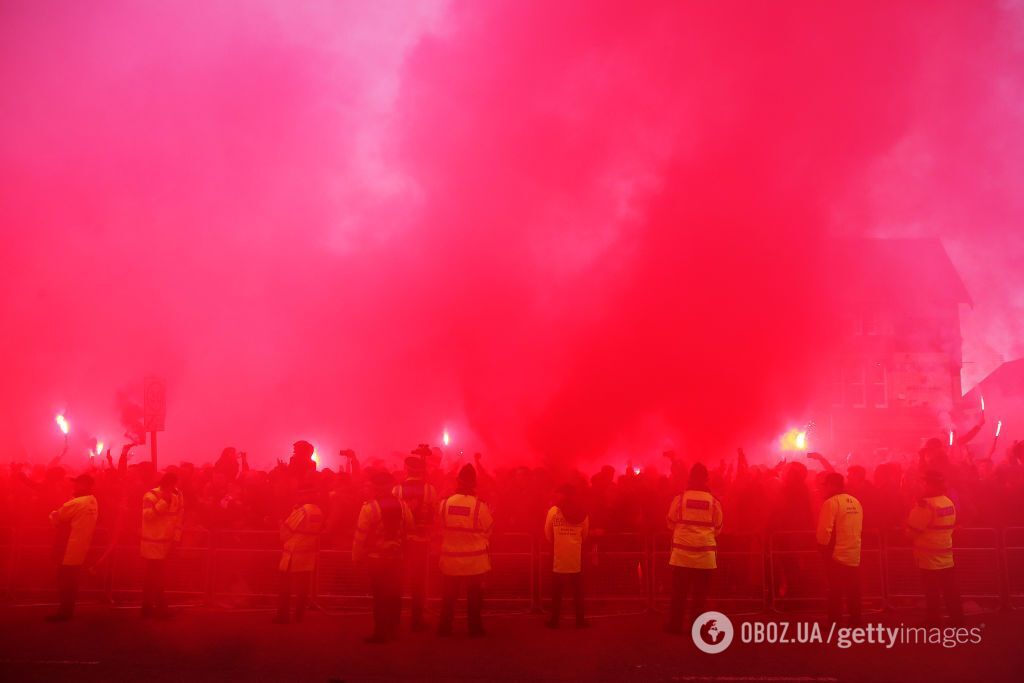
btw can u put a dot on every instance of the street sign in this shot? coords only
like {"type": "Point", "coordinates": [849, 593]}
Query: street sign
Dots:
{"type": "Point", "coordinates": [154, 403]}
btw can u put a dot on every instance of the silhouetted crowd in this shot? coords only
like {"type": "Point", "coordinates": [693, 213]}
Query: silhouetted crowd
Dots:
{"type": "Point", "coordinates": [228, 494]}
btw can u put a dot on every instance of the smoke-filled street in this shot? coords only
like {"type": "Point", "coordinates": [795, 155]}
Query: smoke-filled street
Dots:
{"type": "Point", "coordinates": [517, 339]}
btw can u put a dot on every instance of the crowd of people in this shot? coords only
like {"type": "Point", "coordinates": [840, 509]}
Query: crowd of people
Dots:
{"type": "Point", "coordinates": [430, 493]}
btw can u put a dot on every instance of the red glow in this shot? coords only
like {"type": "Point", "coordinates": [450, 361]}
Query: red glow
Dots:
{"type": "Point", "coordinates": [567, 230]}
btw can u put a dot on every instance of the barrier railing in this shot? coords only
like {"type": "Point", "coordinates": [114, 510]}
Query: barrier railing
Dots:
{"type": "Point", "coordinates": [739, 580]}
{"type": "Point", "coordinates": [797, 570]}
{"type": "Point", "coordinates": [976, 556]}
{"type": "Point", "coordinates": [629, 570]}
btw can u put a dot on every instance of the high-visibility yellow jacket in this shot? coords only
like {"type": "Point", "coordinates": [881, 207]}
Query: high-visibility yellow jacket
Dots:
{"type": "Point", "coordinates": [466, 524]}
{"type": "Point", "coordinates": [80, 515]}
{"type": "Point", "coordinates": [300, 534]}
{"type": "Point", "coordinates": [382, 529]}
{"type": "Point", "coordinates": [841, 522]}
{"type": "Point", "coordinates": [567, 539]}
{"type": "Point", "coordinates": [161, 523]}
{"type": "Point", "coordinates": [695, 518]}
{"type": "Point", "coordinates": [930, 524]}
{"type": "Point", "coordinates": [421, 498]}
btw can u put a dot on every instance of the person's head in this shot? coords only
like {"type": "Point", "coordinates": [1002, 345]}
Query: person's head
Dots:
{"type": "Point", "coordinates": [832, 484]}
{"type": "Point", "coordinates": [934, 483]}
{"type": "Point", "coordinates": [229, 454]}
{"type": "Point", "coordinates": [302, 449]}
{"type": "Point", "coordinates": [83, 484]}
{"type": "Point", "coordinates": [856, 475]}
{"type": "Point", "coordinates": [467, 478]}
{"type": "Point", "coordinates": [698, 478]}
{"type": "Point", "coordinates": [169, 481]}
{"type": "Point", "coordinates": [414, 467]}
{"type": "Point", "coordinates": [566, 493]}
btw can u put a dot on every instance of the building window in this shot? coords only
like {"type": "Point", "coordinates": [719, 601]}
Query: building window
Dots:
{"type": "Point", "coordinates": [877, 386]}
{"type": "Point", "coordinates": [854, 385]}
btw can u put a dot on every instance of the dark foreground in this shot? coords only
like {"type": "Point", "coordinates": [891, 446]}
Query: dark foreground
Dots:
{"type": "Point", "coordinates": [104, 644]}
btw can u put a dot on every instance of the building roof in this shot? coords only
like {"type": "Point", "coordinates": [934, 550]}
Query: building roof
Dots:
{"type": "Point", "coordinates": [913, 269]}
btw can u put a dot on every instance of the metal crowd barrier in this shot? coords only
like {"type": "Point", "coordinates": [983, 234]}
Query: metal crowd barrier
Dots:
{"type": "Point", "coordinates": [797, 569]}
{"type": "Point", "coordinates": [628, 571]}
{"type": "Point", "coordinates": [976, 557]}
{"type": "Point", "coordinates": [739, 580]}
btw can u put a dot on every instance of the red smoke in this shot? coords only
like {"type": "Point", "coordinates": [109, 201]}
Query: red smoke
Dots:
{"type": "Point", "coordinates": [562, 230]}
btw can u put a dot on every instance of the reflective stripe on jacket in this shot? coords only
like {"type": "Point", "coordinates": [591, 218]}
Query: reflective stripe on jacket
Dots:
{"type": "Point", "coordinates": [161, 523]}
{"type": "Point", "coordinates": [840, 524]}
{"type": "Point", "coordinates": [695, 518]}
{"type": "Point", "coordinates": [466, 524]}
{"type": "Point", "coordinates": [931, 525]}
{"type": "Point", "coordinates": [300, 535]}
{"type": "Point", "coordinates": [80, 515]}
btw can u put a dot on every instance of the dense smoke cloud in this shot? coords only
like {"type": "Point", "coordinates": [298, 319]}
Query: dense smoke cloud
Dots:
{"type": "Point", "coordinates": [563, 230]}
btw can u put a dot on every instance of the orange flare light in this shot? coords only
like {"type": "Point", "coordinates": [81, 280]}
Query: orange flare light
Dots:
{"type": "Point", "coordinates": [445, 438]}
{"type": "Point", "coordinates": [63, 424]}
{"type": "Point", "coordinates": [794, 440]}
{"type": "Point", "coordinates": [999, 427]}
{"type": "Point", "coordinates": [950, 437]}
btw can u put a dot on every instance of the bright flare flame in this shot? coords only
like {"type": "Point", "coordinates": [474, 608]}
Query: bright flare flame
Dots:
{"type": "Point", "coordinates": [794, 440]}
{"type": "Point", "coordinates": [636, 471]}
{"type": "Point", "coordinates": [99, 447]}
{"type": "Point", "coordinates": [999, 427]}
{"type": "Point", "coordinates": [445, 438]}
{"type": "Point", "coordinates": [315, 457]}
{"type": "Point", "coordinates": [982, 404]}
{"type": "Point", "coordinates": [950, 437]}
{"type": "Point", "coordinates": [63, 424]}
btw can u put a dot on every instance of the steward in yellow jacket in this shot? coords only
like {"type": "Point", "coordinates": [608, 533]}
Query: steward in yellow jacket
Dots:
{"type": "Point", "coordinates": [840, 524]}
{"type": "Point", "coordinates": [162, 512]}
{"type": "Point", "coordinates": [300, 536]}
{"type": "Point", "coordinates": [421, 497]}
{"type": "Point", "coordinates": [75, 521]}
{"type": "Point", "coordinates": [695, 519]}
{"type": "Point", "coordinates": [566, 528]}
{"type": "Point", "coordinates": [930, 525]}
{"type": "Point", "coordinates": [381, 533]}
{"type": "Point", "coordinates": [466, 524]}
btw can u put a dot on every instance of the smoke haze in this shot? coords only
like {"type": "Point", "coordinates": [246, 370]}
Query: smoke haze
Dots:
{"type": "Point", "coordinates": [564, 231]}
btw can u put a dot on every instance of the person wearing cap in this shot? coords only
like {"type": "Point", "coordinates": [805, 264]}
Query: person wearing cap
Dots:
{"type": "Point", "coordinates": [300, 536]}
{"type": "Point", "coordinates": [383, 526]}
{"type": "Point", "coordinates": [421, 498]}
{"type": "Point", "coordinates": [466, 524]}
{"type": "Point", "coordinates": [75, 521]}
{"type": "Point", "coordinates": [695, 519]}
{"type": "Point", "coordinates": [566, 528]}
{"type": "Point", "coordinates": [930, 525]}
{"type": "Point", "coordinates": [840, 524]}
{"type": "Point", "coordinates": [162, 511]}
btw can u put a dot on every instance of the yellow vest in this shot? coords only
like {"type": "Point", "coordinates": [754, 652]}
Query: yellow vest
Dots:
{"type": "Point", "coordinates": [161, 523]}
{"type": "Point", "coordinates": [378, 538]}
{"type": "Point", "coordinates": [695, 519]}
{"type": "Point", "coordinates": [931, 525]}
{"type": "Point", "coordinates": [421, 498]}
{"type": "Point", "coordinates": [301, 536]}
{"type": "Point", "coordinates": [80, 514]}
{"type": "Point", "coordinates": [841, 521]}
{"type": "Point", "coordinates": [465, 532]}
{"type": "Point", "coordinates": [567, 540]}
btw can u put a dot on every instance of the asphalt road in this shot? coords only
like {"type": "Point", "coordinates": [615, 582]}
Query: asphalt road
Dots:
{"type": "Point", "coordinates": [109, 644]}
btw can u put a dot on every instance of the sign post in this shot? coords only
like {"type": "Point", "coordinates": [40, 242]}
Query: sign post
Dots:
{"type": "Point", "coordinates": [154, 408]}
